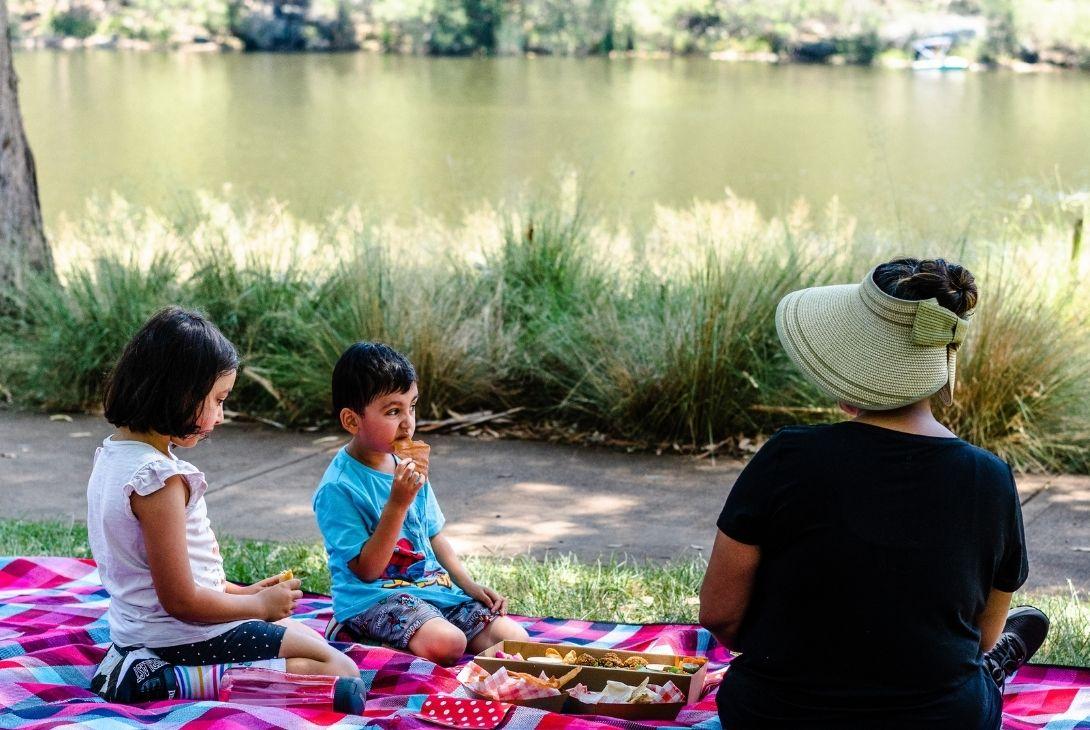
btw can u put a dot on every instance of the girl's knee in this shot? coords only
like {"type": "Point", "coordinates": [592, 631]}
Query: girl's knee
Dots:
{"type": "Point", "coordinates": [343, 665]}
{"type": "Point", "coordinates": [438, 641]}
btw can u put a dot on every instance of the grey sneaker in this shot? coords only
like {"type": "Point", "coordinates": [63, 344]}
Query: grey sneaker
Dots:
{"type": "Point", "coordinates": [1023, 634]}
{"type": "Point", "coordinates": [130, 676]}
{"type": "Point", "coordinates": [349, 695]}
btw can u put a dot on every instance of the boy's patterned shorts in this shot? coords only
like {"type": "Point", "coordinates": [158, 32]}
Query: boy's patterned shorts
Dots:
{"type": "Point", "coordinates": [396, 619]}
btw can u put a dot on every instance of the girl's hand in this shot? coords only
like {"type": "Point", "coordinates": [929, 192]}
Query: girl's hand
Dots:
{"type": "Point", "coordinates": [407, 482]}
{"type": "Point", "coordinates": [489, 597]}
{"type": "Point", "coordinates": [264, 583]}
{"type": "Point", "coordinates": [278, 600]}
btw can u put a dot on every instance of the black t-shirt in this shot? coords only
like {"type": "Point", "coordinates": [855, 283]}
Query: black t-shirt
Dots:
{"type": "Point", "coordinates": [878, 551]}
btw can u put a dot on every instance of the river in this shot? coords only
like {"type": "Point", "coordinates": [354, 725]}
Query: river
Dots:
{"type": "Point", "coordinates": [929, 154]}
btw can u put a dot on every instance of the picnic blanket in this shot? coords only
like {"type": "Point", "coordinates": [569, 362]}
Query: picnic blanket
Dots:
{"type": "Point", "coordinates": [53, 634]}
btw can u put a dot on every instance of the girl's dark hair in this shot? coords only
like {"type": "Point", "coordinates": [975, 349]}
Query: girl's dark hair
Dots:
{"type": "Point", "coordinates": [953, 286]}
{"type": "Point", "coordinates": [166, 372]}
{"type": "Point", "coordinates": [366, 371]}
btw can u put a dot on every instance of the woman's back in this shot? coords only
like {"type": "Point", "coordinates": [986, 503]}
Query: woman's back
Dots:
{"type": "Point", "coordinates": [878, 552]}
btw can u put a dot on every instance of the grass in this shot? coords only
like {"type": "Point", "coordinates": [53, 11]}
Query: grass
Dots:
{"type": "Point", "coordinates": [562, 586]}
{"type": "Point", "coordinates": [659, 338]}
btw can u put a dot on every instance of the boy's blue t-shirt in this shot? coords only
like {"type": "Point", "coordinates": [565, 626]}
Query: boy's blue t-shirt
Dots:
{"type": "Point", "coordinates": [348, 504]}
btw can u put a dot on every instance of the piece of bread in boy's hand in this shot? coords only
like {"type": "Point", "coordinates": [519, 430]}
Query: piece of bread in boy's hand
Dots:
{"type": "Point", "coordinates": [286, 576]}
{"type": "Point", "coordinates": [418, 451]}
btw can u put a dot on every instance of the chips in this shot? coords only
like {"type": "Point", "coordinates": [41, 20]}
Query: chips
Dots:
{"type": "Point", "coordinates": [543, 681]}
{"type": "Point", "coordinates": [286, 575]}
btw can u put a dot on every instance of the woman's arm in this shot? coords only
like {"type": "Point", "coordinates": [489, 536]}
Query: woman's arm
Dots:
{"type": "Point", "coordinates": [728, 583]}
{"type": "Point", "coordinates": [992, 619]}
{"type": "Point", "coordinates": [162, 522]}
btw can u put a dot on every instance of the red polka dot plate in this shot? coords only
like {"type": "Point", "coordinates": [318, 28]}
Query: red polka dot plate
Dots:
{"type": "Point", "coordinates": [463, 713]}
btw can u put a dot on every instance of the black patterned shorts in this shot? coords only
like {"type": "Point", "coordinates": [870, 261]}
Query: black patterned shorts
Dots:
{"type": "Point", "coordinates": [395, 620]}
{"type": "Point", "coordinates": [248, 642]}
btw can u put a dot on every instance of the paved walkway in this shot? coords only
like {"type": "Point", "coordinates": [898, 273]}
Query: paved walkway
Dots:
{"type": "Point", "coordinates": [499, 496]}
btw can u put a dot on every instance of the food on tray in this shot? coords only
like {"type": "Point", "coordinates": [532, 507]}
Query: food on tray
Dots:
{"type": "Point", "coordinates": [551, 656]}
{"type": "Point", "coordinates": [544, 681]}
{"type": "Point", "coordinates": [622, 694]}
{"type": "Point", "coordinates": [635, 662]}
{"type": "Point", "coordinates": [609, 659]}
{"type": "Point", "coordinates": [690, 664]}
{"type": "Point", "coordinates": [511, 686]}
{"type": "Point", "coordinates": [418, 451]}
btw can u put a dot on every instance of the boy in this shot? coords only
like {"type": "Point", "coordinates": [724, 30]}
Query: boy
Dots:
{"type": "Point", "coordinates": [396, 578]}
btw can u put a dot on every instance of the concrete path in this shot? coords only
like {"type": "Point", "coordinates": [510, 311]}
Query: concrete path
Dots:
{"type": "Point", "coordinates": [499, 496]}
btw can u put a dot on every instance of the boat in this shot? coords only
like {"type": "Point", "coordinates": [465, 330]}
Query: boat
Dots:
{"type": "Point", "coordinates": [932, 54]}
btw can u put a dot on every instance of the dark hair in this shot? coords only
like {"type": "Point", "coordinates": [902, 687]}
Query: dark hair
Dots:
{"type": "Point", "coordinates": [952, 285]}
{"type": "Point", "coordinates": [166, 372]}
{"type": "Point", "coordinates": [367, 370]}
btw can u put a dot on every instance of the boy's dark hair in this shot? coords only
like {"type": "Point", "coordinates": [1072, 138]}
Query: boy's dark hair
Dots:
{"type": "Point", "coordinates": [166, 372]}
{"type": "Point", "coordinates": [952, 285]}
{"type": "Point", "coordinates": [367, 370]}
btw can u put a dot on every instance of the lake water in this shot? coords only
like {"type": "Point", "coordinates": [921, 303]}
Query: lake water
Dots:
{"type": "Point", "coordinates": [933, 154]}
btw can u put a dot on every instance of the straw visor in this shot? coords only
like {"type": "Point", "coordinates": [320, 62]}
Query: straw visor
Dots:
{"type": "Point", "coordinates": [874, 351]}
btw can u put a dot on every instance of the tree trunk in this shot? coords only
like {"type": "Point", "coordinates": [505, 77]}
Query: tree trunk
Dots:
{"type": "Point", "coordinates": [23, 246]}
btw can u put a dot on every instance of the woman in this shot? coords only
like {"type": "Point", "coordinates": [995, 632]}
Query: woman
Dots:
{"type": "Point", "coordinates": [863, 568]}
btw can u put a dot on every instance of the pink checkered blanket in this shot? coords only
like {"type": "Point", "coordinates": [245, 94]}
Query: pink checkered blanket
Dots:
{"type": "Point", "coordinates": [53, 633]}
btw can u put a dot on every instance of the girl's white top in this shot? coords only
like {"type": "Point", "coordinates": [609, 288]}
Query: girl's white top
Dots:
{"type": "Point", "coordinates": [135, 615]}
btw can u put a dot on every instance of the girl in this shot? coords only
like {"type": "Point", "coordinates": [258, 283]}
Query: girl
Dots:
{"type": "Point", "coordinates": [170, 603]}
{"type": "Point", "coordinates": [864, 568]}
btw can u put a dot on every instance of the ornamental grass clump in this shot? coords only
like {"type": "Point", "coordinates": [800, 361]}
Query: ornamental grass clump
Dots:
{"type": "Point", "coordinates": [662, 336]}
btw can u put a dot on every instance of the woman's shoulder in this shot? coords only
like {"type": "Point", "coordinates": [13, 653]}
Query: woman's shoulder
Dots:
{"type": "Point", "coordinates": [799, 437]}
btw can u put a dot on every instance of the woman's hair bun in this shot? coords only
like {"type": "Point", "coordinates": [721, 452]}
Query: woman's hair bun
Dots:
{"type": "Point", "coordinates": [951, 284]}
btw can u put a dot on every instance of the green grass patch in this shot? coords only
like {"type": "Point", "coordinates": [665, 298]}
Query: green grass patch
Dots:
{"type": "Point", "coordinates": [561, 586]}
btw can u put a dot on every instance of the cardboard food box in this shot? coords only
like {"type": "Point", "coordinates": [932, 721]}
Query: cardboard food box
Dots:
{"type": "Point", "coordinates": [551, 704]}
{"type": "Point", "coordinates": [595, 678]}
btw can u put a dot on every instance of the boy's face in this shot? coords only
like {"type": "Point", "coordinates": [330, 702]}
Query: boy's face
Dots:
{"type": "Point", "coordinates": [389, 417]}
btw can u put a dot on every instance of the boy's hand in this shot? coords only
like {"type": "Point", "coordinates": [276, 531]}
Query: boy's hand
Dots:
{"type": "Point", "coordinates": [407, 482]}
{"type": "Point", "coordinates": [278, 600]}
{"type": "Point", "coordinates": [489, 597]}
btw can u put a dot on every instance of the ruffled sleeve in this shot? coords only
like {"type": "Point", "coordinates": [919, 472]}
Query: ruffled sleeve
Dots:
{"type": "Point", "coordinates": [151, 477]}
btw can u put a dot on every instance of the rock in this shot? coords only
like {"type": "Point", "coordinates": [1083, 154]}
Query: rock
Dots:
{"type": "Point", "coordinates": [106, 42]}
{"type": "Point", "coordinates": [814, 51]}
{"type": "Point", "coordinates": [195, 47]}
{"type": "Point", "coordinates": [1064, 57]}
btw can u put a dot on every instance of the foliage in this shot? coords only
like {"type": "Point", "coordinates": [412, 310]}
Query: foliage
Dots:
{"type": "Point", "coordinates": [665, 338]}
{"type": "Point", "coordinates": [1057, 31]}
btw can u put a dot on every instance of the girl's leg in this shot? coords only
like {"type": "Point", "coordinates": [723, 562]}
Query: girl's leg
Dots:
{"type": "Point", "coordinates": [439, 641]}
{"type": "Point", "coordinates": [499, 629]}
{"type": "Point", "coordinates": [307, 652]}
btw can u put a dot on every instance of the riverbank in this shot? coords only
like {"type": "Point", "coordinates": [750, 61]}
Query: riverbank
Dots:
{"type": "Point", "coordinates": [1024, 34]}
{"type": "Point", "coordinates": [657, 339]}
